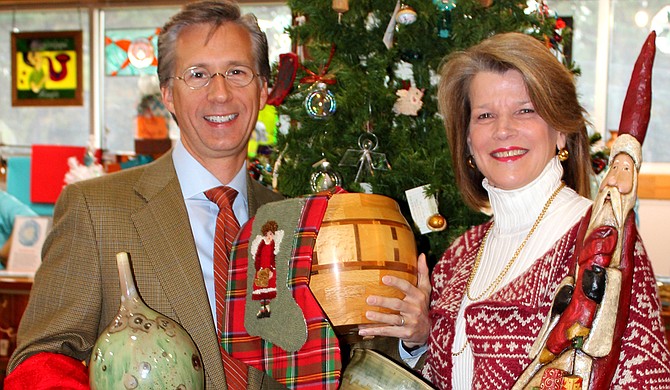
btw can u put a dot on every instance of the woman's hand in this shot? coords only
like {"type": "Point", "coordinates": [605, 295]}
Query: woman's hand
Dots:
{"type": "Point", "coordinates": [412, 324]}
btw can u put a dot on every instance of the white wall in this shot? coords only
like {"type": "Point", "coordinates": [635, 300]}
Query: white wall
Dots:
{"type": "Point", "coordinates": [654, 226]}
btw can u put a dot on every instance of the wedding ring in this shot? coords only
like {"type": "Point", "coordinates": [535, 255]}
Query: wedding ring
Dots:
{"type": "Point", "coordinates": [402, 320]}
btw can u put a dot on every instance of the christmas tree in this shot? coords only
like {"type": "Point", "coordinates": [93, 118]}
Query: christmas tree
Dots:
{"type": "Point", "coordinates": [363, 109]}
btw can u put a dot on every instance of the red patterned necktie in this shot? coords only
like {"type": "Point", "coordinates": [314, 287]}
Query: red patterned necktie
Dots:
{"type": "Point", "coordinates": [226, 230]}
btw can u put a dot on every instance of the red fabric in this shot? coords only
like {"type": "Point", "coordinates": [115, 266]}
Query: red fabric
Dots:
{"type": "Point", "coordinates": [48, 370]}
{"type": "Point", "coordinates": [226, 230]}
{"type": "Point", "coordinates": [48, 167]}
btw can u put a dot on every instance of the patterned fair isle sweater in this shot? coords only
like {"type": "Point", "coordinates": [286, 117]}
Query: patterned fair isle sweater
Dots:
{"type": "Point", "coordinates": [502, 328]}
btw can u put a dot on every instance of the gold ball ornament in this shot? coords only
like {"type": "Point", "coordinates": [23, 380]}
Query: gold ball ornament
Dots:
{"type": "Point", "coordinates": [437, 223]}
{"type": "Point", "coordinates": [406, 15]}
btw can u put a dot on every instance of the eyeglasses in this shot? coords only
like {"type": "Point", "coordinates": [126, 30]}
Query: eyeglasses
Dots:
{"type": "Point", "coordinates": [197, 77]}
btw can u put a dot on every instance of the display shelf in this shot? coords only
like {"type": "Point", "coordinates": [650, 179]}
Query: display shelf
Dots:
{"type": "Point", "coordinates": [14, 295]}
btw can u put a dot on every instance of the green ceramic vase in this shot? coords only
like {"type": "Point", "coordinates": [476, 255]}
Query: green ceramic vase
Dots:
{"type": "Point", "coordinates": [142, 349]}
{"type": "Point", "coordinates": [369, 370]}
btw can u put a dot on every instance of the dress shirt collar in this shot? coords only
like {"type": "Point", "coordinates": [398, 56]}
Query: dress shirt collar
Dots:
{"type": "Point", "coordinates": [195, 179]}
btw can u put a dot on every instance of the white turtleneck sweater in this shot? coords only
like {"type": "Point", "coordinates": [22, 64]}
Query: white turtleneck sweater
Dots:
{"type": "Point", "coordinates": [514, 213]}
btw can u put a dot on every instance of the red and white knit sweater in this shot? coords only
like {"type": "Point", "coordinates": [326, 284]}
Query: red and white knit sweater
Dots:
{"type": "Point", "coordinates": [502, 328]}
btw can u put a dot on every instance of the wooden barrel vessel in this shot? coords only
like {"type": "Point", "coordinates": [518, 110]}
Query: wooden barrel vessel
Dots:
{"type": "Point", "coordinates": [362, 238]}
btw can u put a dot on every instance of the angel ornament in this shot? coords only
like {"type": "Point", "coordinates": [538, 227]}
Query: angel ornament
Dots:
{"type": "Point", "coordinates": [264, 249]}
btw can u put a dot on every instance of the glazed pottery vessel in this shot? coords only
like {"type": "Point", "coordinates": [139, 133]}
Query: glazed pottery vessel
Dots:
{"type": "Point", "coordinates": [142, 349]}
{"type": "Point", "coordinates": [369, 370]}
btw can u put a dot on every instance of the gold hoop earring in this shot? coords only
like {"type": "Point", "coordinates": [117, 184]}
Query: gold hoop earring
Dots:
{"type": "Point", "coordinates": [471, 162]}
{"type": "Point", "coordinates": [563, 154]}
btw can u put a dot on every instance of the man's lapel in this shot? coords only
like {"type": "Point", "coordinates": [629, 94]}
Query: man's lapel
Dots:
{"type": "Point", "coordinates": [164, 229]}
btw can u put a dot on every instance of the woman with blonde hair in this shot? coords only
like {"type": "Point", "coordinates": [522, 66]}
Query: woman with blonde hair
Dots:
{"type": "Point", "coordinates": [519, 145]}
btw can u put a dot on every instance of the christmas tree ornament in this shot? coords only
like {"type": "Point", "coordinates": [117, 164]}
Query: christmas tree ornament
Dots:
{"type": "Point", "coordinates": [277, 167]}
{"type": "Point", "coordinates": [286, 71]}
{"type": "Point", "coordinates": [366, 158]}
{"type": "Point", "coordinates": [300, 21]}
{"type": "Point", "coordinates": [340, 6]}
{"type": "Point", "coordinates": [424, 210]}
{"type": "Point", "coordinates": [325, 177]}
{"type": "Point", "coordinates": [444, 22]}
{"type": "Point", "coordinates": [320, 102]}
{"type": "Point", "coordinates": [437, 222]}
{"type": "Point", "coordinates": [404, 72]}
{"type": "Point", "coordinates": [371, 22]}
{"type": "Point", "coordinates": [409, 101]}
{"type": "Point", "coordinates": [406, 15]}
{"type": "Point", "coordinates": [390, 28]}
{"type": "Point", "coordinates": [444, 5]}
{"type": "Point", "coordinates": [543, 9]}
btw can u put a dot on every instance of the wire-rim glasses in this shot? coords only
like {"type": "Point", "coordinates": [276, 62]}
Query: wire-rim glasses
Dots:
{"type": "Point", "coordinates": [197, 77]}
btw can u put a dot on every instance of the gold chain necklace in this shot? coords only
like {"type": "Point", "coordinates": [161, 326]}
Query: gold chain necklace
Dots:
{"type": "Point", "coordinates": [511, 262]}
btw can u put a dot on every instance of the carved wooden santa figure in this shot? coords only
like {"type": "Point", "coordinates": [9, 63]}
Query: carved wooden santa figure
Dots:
{"type": "Point", "coordinates": [582, 337]}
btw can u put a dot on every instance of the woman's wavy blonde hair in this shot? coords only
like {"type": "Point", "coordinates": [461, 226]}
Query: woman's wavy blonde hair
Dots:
{"type": "Point", "coordinates": [552, 91]}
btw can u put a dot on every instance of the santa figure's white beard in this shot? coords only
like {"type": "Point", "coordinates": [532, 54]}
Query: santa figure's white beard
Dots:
{"type": "Point", "coordinates": [609, 208]}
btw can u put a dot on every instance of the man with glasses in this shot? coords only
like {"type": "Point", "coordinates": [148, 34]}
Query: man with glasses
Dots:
{"type": "Point", "coordinates": [158, 213]}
